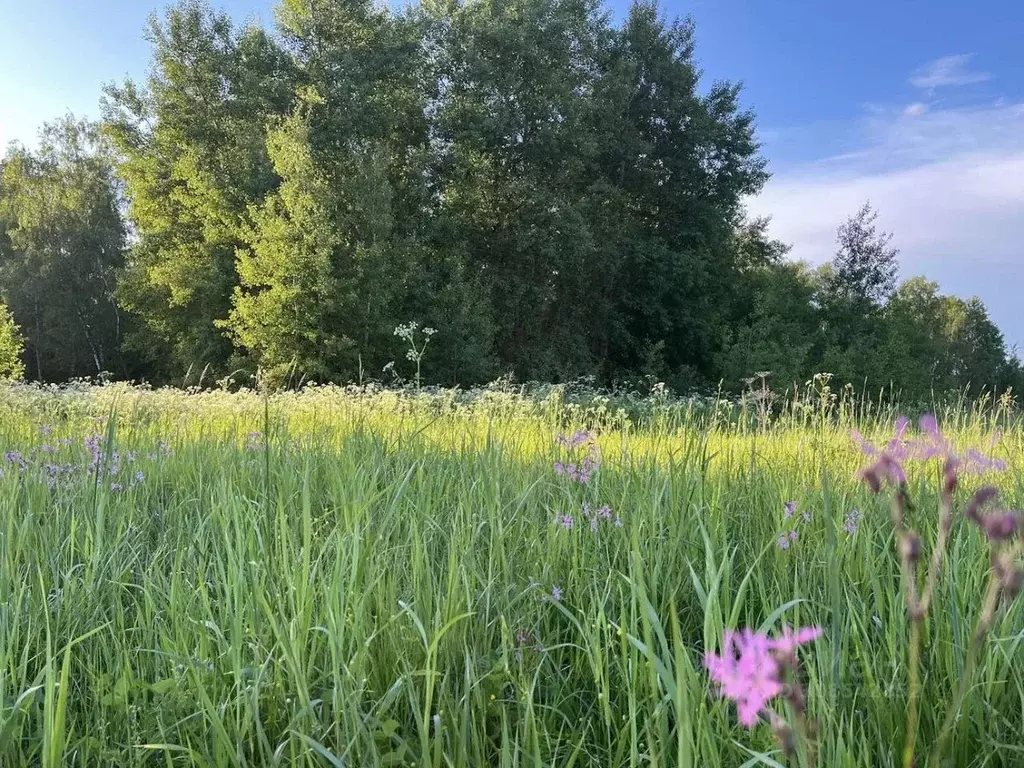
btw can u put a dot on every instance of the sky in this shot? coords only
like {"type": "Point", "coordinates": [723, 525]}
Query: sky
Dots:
{"type": "Point", "coordinates": [916, 106]}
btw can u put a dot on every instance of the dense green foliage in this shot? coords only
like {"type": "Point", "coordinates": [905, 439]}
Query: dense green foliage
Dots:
{"type": "Point", "coordinates": [61, 241]}
{"type": "Point", "coordinates": [12, 346]}
{"type": "Point", "coordinates": [220, 580]}
{"type": "Point", "coordinates": [559, 195]}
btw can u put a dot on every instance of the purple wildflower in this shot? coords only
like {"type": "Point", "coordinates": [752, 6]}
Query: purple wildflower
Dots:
{"type": "Point", "coordinates": [603, 514]}
{"type": "Point", "coordinates": [793, 535]}
{"type": "Point", "coordinates": [888, 464]}
{"type": "Point", "coordinates": [851, 521]}
{"type": "Point", "coordinates": [556, 593]}
{"type": "Point", "coordinates": [116, 487]}
{"type": "Point", "coordinates": [580, 437]}
{"type": "Point", "coordinates": [581, 472]}
{"type": "Point", "coordinates": [783, 541]}
{"type": "Point", "coordinates": [936, 444]}
{"type": "Point", "coordinates": [789, 509]}
{"type": "Point", "coordinates": [997, 525]}
{"type": "Point", "coordinates": [566, 521]}
{"type": "Point", "coordinates": [807, 516]}
{"type": "Point", "coordinates": [16, 457]}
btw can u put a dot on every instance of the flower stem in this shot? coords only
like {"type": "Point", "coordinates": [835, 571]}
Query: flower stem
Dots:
{"type": "Point", "coordinates": [914, 663]}
{"type": "Point", "coordinates": [939, 552]}
{"type": "Point", "coordinates": [988, 610]}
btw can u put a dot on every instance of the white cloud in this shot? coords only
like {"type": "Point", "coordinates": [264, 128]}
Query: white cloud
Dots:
{"type": "Point", "coordinates": [948, 183]}
{"type": "Point", "coordinates": [949, 70]}
{"type": "Point", "coordinates": [916, 109]}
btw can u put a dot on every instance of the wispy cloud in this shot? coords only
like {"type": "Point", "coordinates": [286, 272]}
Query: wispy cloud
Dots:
{"type": "Point", "coordinates": [947, 71]}
{"type": "Point", "coordinates": [949, 183]}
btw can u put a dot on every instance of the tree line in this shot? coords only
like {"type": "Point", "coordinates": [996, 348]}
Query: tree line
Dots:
{"type": "Point", "coordinates": [556, 193]}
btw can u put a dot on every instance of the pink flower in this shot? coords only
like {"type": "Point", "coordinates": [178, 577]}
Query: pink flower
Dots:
{"type": "Point", "coordinates": [746, 673]}
{"type": "Point", "coordinates": [887, 466]}
{"type": "Point", "coordinates": [897, 448]}
{"type": "Point", "coordinates": [750, 668]}
{"type": "Point", "coordinates": [790, 640]}
{"type": "Point", "coordinates": [935, 444]}
{"type": "Point", "coordinates": [996, 525]}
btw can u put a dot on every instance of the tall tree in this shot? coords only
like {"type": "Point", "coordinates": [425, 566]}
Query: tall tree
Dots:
{"type": "Point", "coordinates": [512, 131]}
{"type": "Point", "coordinates": [193, 157]}
{"type": "Point", "coordinates": [865, 265]}
{"type": "Point", "coordinates": [681, 161]}
{"type": "Point", "coordinates": [64, 243]}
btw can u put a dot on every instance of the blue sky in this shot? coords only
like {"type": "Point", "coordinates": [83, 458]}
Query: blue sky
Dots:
{"type": "Point", "coordinates": [915, 105]}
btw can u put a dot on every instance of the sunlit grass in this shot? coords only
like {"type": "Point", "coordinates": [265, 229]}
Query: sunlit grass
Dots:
{"type": "Point", "coordinates": [371, 580]}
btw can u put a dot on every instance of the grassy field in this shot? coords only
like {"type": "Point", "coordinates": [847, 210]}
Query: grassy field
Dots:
{"type": "Point", "coordinates": [362, 578]}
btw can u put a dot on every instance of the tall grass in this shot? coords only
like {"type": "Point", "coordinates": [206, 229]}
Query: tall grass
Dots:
{"type": "Point", "coordinates": [362, 578]}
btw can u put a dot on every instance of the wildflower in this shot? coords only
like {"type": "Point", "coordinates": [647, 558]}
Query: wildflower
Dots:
{"type": "Point", "coordinates": [936, 444]}
{"type": "Point", "coordinates": [783, 541]}
{"type": "Point", "coordinates": [998, 525]}
{"type": "Point", "coordinates": [790, 640]}
{"type": "Point", "coordinates": [887, 466]}
{"type": "Point", "coordinates": [566, 521]}
{"type": "Point", "coordinates": [851, 521]}
{"type": "Point", "coordinates": [746, 673]}
{"type": "Point", "coordinates": [793, 535]}
{"type": "Point", "coordinates": [116, 487]}
{"type": "Point", "coordinates": [582, 472]}
{"type": "Point", "coordinates": [750, 669]}
{"type": "Point", "coordinates": [603, 514]}
{"type": "Point", "coordinates": [16, 457]}
{"type": "Point", "coordinates": [580, 437]}
{"type": "Point", "coordinates": [807, 516]}
{"type": "Point", "coordinates": [789, 509]}
{"type": "Point", "coordinates": [556, 593]}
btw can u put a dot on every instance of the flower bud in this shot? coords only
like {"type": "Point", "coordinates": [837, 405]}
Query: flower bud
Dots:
{"type": "Point", "coordinates": [1000, 526]}
{"type": "Point", "coordinates": [910, 547]}
{"type": "Point", "coordinates": [981, 497]}
{"type": "Point", "coordinates": [949, 476]}
{"type": "Point", "coordinates": [1012, 582]}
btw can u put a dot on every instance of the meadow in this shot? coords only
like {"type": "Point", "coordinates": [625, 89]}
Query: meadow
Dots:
{"type": "Point", "coordinates": [359, 577]}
